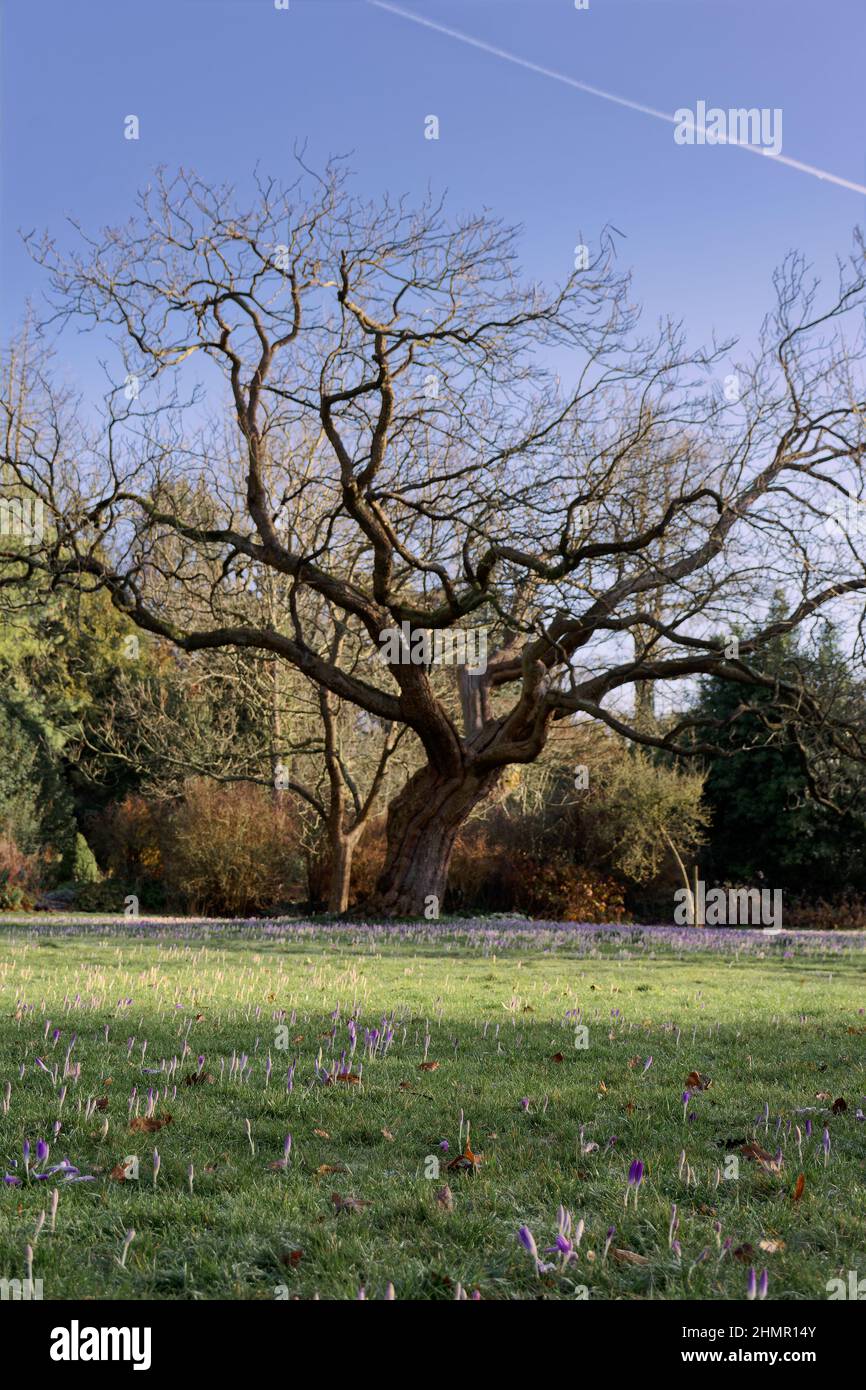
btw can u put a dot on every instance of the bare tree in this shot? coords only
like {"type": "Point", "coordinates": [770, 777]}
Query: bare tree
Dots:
{"type": "Point", "coordinates": [467, 450]}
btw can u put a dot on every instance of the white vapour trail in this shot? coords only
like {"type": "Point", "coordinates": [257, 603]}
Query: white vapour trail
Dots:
{"type": "Point", "coordinates": [610, 96]}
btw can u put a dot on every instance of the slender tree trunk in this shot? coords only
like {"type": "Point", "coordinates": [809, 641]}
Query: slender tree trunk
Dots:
{"type": "Point", "coordinates": [342, 846]}
{"type": "Point", "coordinates": [423, 821]}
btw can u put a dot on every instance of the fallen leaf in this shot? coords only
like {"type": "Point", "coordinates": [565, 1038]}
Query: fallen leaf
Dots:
{"type": "Point", "coordinates": [348, 1078]}
{"type": "Point", "coordinates": [149, 1124]}
{"type": "Point", "coordinates": [428, 1066]}
{"type": "Point", "coordinates": [199, 1078]}
{"type": "Point", "coordinates": [291, 1258]}
{"type": "Point", "coordinates": [467, 1161]}
{"type": "Point", "coordinates": [772, 1247]}
{"type": "Point", "coordinates": [557, 1057]}
{"type": "Point", "coordinates": [823, 1095]}
{"type": "Point", "coordinates": [325, 1168]}
{"type": "Point", "coordinates": [445, 1198]}
{"type": "Point", "coordinates": [839, 1106]}
{"type": "Point", "coordinates": [633, 1061]}
{"type": "Point", "coordinates": [629, 1257]}
{"type": "Point", "coordinates": [388, 1135]}
{"type": "Point", "coordinates": [120, 1172]}
{"type": "Point", "coordinates": [696, 1082]}
{"type": "Point", "coordinates": [322, 1133]}
{"type": "Point", "coordinates": [102, 1103]}
{"type": "Point", "coordinates": [762, 1158]}
{"type": "Point", "coordinates": [799, 1188]}
{"type": "Point", "coordinates": [744, 1253]}
{"type": "Point", "coordinates": [348, 1203]}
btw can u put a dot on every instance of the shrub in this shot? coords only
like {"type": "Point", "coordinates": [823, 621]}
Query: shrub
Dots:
{"type": "Point", "coordinates": [231, 850]}
{"type": "Point", "coordinates": [79, 865]}
{"type": "Point", "coordinates": [20, 876]}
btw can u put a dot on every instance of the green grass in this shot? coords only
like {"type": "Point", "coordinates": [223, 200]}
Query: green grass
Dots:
{"type": "Point", "coordinates": [771, 1032]}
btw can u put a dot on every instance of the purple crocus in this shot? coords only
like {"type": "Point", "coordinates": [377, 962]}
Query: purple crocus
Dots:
{"type": "Point", "coordinates": [635, 1178]}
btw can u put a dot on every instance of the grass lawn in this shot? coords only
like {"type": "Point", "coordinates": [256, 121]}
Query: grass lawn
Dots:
{"type": "Point", "coordinates": [114, 1012]}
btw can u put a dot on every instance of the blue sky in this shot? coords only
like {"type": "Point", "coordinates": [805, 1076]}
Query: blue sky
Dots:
{"type": "Point", "coordinates": [220, 85]}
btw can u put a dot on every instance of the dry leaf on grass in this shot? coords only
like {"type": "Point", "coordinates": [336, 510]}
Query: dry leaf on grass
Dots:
{"type": "Point", "coordinates": [467, 1162]}
{"type": "Point", "coordinates": [445, 1198]}
{"type": "Point", "coordinates": [325, 1168]}
{"type": "Point", "coordinates": [428, 1066]}
{"type": "Point", "coordinates": [696, 1082]}
{"type": "Point", "coordinates": [348, 1203]}
{"type": "Point", "coordinates": [199, 1078]}
{"type": "Point", "coordinates": [145, 1124]}
{"type": "Point", "coordinates": [322, 1133]}
{"type": "Point", "coordinates": [799, 1188]}
{"type": "Point", "coordinates": [745, 1253]}
{"type": "Point", "coordinates": [771, 1247]}
{"type": "Point", "coordinates": [629, 1257]}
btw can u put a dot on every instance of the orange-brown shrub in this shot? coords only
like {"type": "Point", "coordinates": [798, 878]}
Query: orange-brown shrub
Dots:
{"type": "Point", "coordinates": [231, 850]}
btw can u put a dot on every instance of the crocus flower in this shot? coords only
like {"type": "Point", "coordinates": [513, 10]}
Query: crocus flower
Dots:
{"type": "Point", "coordinates": [763, 1284]}
{"type": "Point", "coordinates": [635, 1178]}
{"type": "Point", "coordinates": [752, 1285]}
{"type": "Point", "coordinates": [127, 1241]}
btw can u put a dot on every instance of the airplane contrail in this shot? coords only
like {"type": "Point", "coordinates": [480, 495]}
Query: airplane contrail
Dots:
{"type": "Point", "coordinates": [763, 151]}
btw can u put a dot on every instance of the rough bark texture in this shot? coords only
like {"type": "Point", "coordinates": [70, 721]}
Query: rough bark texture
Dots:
{"type": "Point", "coordinates": [423, 822]}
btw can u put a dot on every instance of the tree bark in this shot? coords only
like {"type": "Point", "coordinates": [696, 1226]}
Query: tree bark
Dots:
{"type": "Point", "coordinates": [342, 850]}
{"type": "Point", "coordinates": [423, 821]}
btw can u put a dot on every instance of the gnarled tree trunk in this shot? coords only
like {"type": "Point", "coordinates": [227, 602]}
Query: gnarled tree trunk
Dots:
{"type": "Point", "coordinates": [423, 821]}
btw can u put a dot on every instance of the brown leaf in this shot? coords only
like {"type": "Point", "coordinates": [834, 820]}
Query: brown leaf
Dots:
{"type": "Point", "coordinates": [633, 1061]}
{"type": "Point", "coordinates": [445, 1198]}
{"type": "Point", "coordinates": [771, 1247]}
{"type": "Point", "coordinates": [823, 1095]}
{"type": "Point", "coordinates": [120, 1172]}
{"type": "Point", "coordinates": [388, 1135]}
{"type": "Point", "coordinates": [149, 1124]}
{"type": "Point", "coordinates": [467, 1162]}
{"type": "Point", "coordinates": [696, 1082]}
{"type": "Point", "coordinates": [744, 1253]}
{"type": "Point", "coordinates": [298, 1039]}
{"type": "Point", "coordinates": [291, 1258]}
{"type": "Point", "coordinates": [322, 1133]}
{"type": "Point", "coordinates": [799, 1188]}
{"type": "Point", "coordinates": [839, 1106]}
{"type": "Point", "coordinates": [325, 1168]}
{"type": "Point", "coordinates": [629, 1257]}
{"type": "Point", "coordinates": [348, 1203]}
{"type": "Point", "coordinates": [754, 1150]}
{"type": "Point", "coordinates": [199, 1078]}
{"type": "Point", "coordinates": [102, 1103]}
{"type": "Point", "coordinates": [428, 1066]}
{"type": "Point", "coordinates": [348, 1078]}
{"type": "Point", "coordinates": [557, 1057]}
